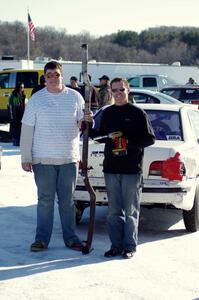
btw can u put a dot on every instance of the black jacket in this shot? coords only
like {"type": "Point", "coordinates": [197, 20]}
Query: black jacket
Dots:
{"type": "Point", "coordinates": [124, 155]}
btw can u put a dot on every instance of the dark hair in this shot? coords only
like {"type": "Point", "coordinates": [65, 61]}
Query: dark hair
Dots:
{"type": "Point", "coordinates": [118, 79]}
{"type": "Point", "coordinates": [42, 79]}
{"type": "Point", "coordinates": [53, 65]}
{"type": "Point", "coordinates": [18, 85]}
{"type": "Point", "coordinates": [17, 88]}
{"type": "Point", "coordinates": [73, 78]}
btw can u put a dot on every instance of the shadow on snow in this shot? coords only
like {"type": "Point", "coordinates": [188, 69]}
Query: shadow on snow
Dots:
{"type": "Point", "coordinates": [18, 229]}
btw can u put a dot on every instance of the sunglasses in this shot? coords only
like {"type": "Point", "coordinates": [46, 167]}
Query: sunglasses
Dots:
{"type": "Point", "coordinates": [53, 75]}
{"type": "Point", "coordinates": [118, 90]}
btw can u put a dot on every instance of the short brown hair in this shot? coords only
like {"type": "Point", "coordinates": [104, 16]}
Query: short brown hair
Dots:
{"type": "Point", "coordinates": [53, 65]}
{"type": "Point", "coordinates": [118, 79]}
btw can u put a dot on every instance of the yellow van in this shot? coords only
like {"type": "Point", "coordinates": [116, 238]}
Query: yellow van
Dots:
{"type": "Point", "coordinates": [8, 81]}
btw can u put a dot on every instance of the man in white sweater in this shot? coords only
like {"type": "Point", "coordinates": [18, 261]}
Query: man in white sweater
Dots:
{"type": "Point", "coordinates": [50, 147]}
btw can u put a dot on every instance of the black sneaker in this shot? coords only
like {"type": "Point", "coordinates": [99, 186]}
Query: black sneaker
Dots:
{"type": "Point", "coordinates": [112, 252]}
{"type": "Point", "coordinates": [38, 246]}
{"type": "Point", "coordinates": [128, 253]}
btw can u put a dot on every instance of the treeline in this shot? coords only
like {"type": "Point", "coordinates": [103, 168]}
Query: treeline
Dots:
{"type": "Point", "coordinates": [155, 45]}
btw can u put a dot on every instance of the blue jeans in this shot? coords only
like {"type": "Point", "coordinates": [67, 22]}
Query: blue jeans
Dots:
{"type": "Point", "coordinates": [124, 192]}
{"type": "Point", "coordinates": [51, 179]}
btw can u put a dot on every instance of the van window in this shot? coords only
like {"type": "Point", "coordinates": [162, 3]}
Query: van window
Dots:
{"type": "Point", "coordinates": [149, 82]}
{"type": "Point", "coordinates": [134, 82]}
{"type": "Point", "coordinates": [4, 80]}
{"type": "Point", "coordinates": [30, 79]}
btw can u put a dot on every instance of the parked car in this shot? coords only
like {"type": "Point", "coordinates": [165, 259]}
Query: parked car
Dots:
{"type": "Point", "coordinates": [170, 166]}
{"type": "Point", "coordinates": [148, 96]}
{"type": "Point", "coordinates": [153, 82]}
{"type": "Point", "coordinates": [184, 93]}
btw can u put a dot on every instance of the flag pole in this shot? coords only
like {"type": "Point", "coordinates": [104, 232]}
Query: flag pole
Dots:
{"type": "Point", "coordinates": [28, 40]}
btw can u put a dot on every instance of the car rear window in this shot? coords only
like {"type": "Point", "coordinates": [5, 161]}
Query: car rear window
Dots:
{"type": "Point", "coordinates": [142, 98]}
{"type": "Point", "coordinates": [173, 93]}
{"type": "Point", "coordinates": [192, 94]}
{"type": "Point", "coordinates": [166, 124]}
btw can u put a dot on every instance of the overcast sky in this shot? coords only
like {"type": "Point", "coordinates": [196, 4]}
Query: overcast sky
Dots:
{"type": "Point", "coordinates": [102, 17]}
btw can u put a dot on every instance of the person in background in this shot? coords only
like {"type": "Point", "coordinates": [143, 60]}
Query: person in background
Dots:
{"type": "Point", "coordinates": [104, 92]}
{"type": "Point", "coordinates": [94, 96]}
{"type": "Point", "coordinates": [16, 109]}
{"type": "Point", "coordinates": [191, 81]}
{"type": "Point", "coordinates": [122, 166]}
{"type": "Point", "coordinates": [41, 85]}
{"type": "Point", "coordinates": [50, 147]}
{"type": "Point", "coordinates": [74, 84]}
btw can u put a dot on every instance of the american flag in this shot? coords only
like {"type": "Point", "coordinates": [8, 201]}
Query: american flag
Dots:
{"type": "Point", "coordinates": [31, 28]}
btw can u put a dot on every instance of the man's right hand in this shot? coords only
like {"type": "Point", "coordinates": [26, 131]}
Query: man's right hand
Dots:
{"type": "Point", "coordinates": [88, 117]}
{"type": "Point", "coordinates": [27, 167]}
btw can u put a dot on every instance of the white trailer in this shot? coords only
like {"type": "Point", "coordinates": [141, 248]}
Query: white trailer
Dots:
{"type": "Point", "coordinates": [176, 72]}
{"type": "Point", "coordinates": [16, 64]}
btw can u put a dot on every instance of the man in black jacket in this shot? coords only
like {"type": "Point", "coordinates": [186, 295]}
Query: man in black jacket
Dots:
{"type": "Point", "coordinates": [127, 130]}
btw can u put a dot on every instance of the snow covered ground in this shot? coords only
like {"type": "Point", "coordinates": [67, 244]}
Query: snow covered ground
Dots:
{"type": "Point", "coordinates": [166, 265]}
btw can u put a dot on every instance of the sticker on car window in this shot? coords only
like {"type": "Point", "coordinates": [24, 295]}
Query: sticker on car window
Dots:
{"type": "Point", "coordinates": [173, 137]}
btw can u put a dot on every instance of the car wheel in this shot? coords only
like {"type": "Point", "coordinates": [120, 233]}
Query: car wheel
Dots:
{"type": "Point", "coordinates": [191, 217]}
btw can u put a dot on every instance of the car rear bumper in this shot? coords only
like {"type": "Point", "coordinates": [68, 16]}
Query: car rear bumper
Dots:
{"type": "Point", "coordinates": [180, 196]}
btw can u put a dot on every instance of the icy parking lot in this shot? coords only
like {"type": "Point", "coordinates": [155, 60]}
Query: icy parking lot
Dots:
{"type": "Point", "coordinates": [166, 265]}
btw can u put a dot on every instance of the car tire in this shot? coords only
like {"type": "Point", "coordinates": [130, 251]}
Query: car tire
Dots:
{"type": "Point", "coordinates": [191, 217]}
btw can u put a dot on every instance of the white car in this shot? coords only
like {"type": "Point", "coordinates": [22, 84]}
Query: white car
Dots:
{"type": "Point", "coordinates": [149, 96]}
{"type": "Point", "coordinates": [170, 167]}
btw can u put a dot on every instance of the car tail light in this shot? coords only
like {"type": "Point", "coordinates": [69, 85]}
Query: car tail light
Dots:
{"type": "Point", "coordinates": [156, 168]}
{"type": "Point", "coordinates": [171, 168]}
{"type": "Point", "coordinates": [196, 102]}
